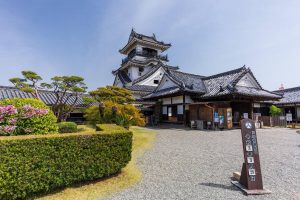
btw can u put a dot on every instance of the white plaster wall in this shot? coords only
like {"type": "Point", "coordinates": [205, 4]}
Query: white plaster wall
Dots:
{"type": "Point", "coordinates": [133, 72]}
{"type": "Point", "coordinates": [166, 101]}
{"type": "Point", "coordinates": [118, 82]}
{"type": "Point", "coordinates": [166, 83]}
{"type": "Point", "coordinates": [178, 99]}
{"type": "Point", "coordinates": [139, 58]}
{"type": "Point", "coordinates": [146, 69]}
{"type": "Point", "coordinates": [156, 75]}
{"type": "Point", "coordinates": [248, 81]}
{"type": "Point", "coordinates": [256, 105]}
{"type": "Point", "coordinates": [139, 48]}
{"type": "Point", "coordinates": [188, 100]}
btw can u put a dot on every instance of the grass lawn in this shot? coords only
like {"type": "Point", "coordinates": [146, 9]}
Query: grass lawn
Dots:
{"type": "Point", "coordinates": [142, 140]}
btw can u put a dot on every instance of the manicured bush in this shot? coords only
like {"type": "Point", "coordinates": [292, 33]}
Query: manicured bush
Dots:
{"type": "Point", "coordinates": [125, 115]}
{"type": "Point", "coordinates": [109, 127]}
{"type": "Point", "coordinates": [91, 115]}
{"type": "Point", "coordinates": [67, 127]}
{"type": "Point", "coordinates": [21, 116]}
{"type": "Point", "coordinates": [36, 164]}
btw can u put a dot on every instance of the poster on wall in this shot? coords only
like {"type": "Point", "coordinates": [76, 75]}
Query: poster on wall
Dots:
{"type": "Point", "coordinates": [222, 120]}
{"type": "Point", "coordinates": [289, 117]}
{"type": "Point", "coordinates": [216, 117]}
{"type": "Point", "coordinates": [245, 115]}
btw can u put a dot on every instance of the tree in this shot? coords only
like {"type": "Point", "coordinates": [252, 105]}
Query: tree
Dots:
{"type": "Point", "coordinates": [126, 115]}
{"type": "Point", "coordinates": [67, 90]}
{"type": "Point", "coordinates": [22, 83]}
{"type": "Point", "coordinates": [115, 106]}
{"type": "Point", "coordinates": [275, 111]}
{"type": "Point", "coordinates": [113, 93]}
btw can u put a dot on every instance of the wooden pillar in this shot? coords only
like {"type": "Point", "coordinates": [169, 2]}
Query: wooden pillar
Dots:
{"type": "Point", "coordinates": [213, 118]}
{"type": "Point", "coordinates": [251, 110]}
{"type": "Point", "coordinates": [296, 114]}
{"type": "Point", "coordinates": [184, 112]}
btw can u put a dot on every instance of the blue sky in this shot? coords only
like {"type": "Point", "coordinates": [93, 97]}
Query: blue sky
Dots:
{"type": "Point", "coordinates": [82, 37]}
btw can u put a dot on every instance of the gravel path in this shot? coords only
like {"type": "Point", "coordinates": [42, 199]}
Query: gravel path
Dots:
{"type": "Point", "coordinates": [191, 164]}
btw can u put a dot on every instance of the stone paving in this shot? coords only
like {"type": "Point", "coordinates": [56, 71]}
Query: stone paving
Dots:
{"type": "Point", "coordinates": [192, 164]}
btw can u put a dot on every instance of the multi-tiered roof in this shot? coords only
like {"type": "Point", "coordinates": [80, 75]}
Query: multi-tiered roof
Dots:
{"type": "Point", "coordinates": [148, 41]}
{"type": "Point", "coordinates": [239, 82]}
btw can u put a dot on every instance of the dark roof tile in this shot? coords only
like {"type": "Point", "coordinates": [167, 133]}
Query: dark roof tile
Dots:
{"type": "Point", "coordinates": [143, 88]}
{"type": "Point", "coordinates": [290, 96]}
{"type": "Point", "coordinates": [48, 97]}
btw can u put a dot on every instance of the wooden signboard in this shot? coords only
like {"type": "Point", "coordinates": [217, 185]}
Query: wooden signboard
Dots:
{"type": "Point", "coordinates": [251, 178]}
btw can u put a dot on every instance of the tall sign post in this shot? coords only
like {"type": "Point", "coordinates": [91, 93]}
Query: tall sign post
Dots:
{"type": "Point", "coordinates": [251, 177]}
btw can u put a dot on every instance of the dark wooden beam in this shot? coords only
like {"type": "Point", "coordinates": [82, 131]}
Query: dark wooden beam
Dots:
{"type": "Point", "coordinates": [183, 105]}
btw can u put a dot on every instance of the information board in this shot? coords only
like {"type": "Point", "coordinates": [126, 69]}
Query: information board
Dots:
{"type": "Point", "coordinates": [289, 117]}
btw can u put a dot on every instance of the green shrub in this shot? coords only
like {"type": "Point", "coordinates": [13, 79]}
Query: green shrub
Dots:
{"type": "Point", "coordinates": [37, 164]}
{"type": "Point", "coordinates": [126, 115]}
{"type": "Point", "coordinates": [110, 128]}
{"type": "Point", "coordinates": [67, 127]}
{"type": "Point", "coordinates": [42, 124]}
{"type": "Point", "coordinates": [275, 111]}
{"type": "Point", "coordinates": [91, 115]}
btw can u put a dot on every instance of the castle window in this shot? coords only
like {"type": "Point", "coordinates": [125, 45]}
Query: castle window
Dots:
{"type": "Point", "coordinates": [141, 69]}
{"type": "Point", "coordinates": [156, 81]}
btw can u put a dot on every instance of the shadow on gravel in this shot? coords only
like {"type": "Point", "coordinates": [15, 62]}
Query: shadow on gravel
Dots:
{"type": "Point", "coordinates": [216, 185]}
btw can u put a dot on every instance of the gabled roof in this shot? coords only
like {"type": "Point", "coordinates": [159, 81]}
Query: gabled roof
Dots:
{"type": "Point", "coordinates": [152, 38]}
{"type": "Point", "coordinates": [186, 82]}
{"type": "Point", "coordinates": [290, 96]}
{"type": "Point", "coordinates": [189, 82]}
{"type": "Point", "coordinates": [135, 37]}
{"type": "Point", "coordinates": [153, 70]}
{"type": "Point", "coordinates": [218, 85]}
{"type": "Point", "coordinates": [226, 83]}
{"type": "Point", "coordinates": [48, 97]}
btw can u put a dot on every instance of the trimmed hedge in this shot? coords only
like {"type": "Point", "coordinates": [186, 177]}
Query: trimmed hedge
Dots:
{"type": "Point", "coordinates": [110, 127]}
{"type": "Point", "coordinates": [37, 164]}
{"type": "Point", "coordinates": [67, 127]}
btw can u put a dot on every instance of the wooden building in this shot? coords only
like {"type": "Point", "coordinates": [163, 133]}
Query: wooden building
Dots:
{"type": "Point", "coordinates": [180, 97]}
{"type": "Point", "coordinates": [290, 102]}
{"type": "Point", "coordinates": [223, 98]}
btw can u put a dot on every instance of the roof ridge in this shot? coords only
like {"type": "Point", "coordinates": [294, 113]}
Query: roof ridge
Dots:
{"type": "Point", "coordinates": [239, 77]}
{"type": "Point", "coordinates": [288, 89]}
{"type": "Point", "coordinates": [39, 90]}
{"type": "Point", "coordinates": [225, 73]}
{"type": "Point", "coordinates": [177, 71]}
{"type": "Point", "coordinates": [140, 36]}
